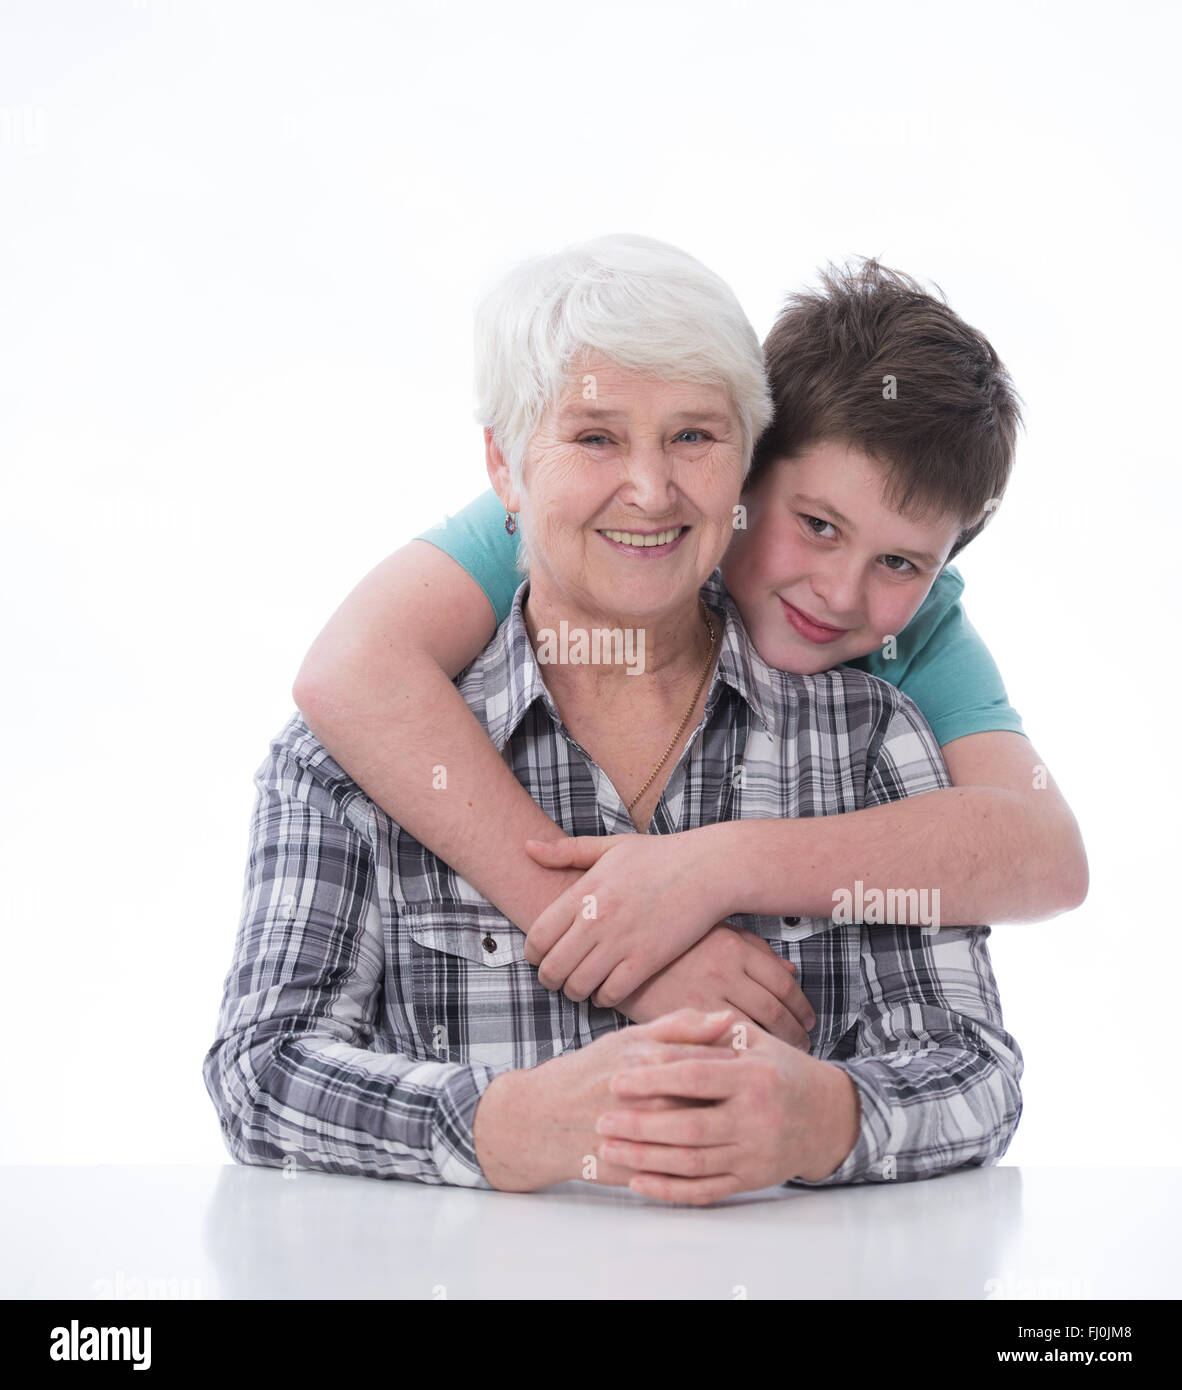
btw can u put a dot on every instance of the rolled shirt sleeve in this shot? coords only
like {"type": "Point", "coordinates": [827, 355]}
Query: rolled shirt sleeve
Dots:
{"type": "Point", "coordinates": [294, 1073]}
{"type": "Point", "coordinates": [938, 1076]}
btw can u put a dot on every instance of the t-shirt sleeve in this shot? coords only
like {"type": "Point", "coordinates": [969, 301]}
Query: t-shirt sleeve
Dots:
{"type": "Point", "coordinates": [476, 538]}
{"type": "Point", "coordinates": [941, 662]}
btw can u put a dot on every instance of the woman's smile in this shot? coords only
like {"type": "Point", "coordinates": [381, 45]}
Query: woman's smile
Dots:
{"type": "Point", "coordinates": [648, 544]}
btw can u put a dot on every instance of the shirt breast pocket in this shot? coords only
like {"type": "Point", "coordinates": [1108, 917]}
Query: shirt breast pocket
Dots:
{"type": "Point", "coordinates": [474, 996]}
{"type": "Point", "coordinates": [828, 960]}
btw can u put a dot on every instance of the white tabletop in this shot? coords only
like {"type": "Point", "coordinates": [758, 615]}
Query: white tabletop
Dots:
{"type": "Point", "coordinates": [239, 1232]}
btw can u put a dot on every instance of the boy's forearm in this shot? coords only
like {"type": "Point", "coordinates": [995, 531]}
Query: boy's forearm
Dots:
{"type": "Point", "coordinates": [424, 758]}
{"type": "Point", "coordinates": [986, 850]}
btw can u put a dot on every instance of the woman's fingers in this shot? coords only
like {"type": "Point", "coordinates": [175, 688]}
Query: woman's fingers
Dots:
{"type": "Point", "coordinates": [769, 972]}
{"type": "Point", "coordinates": [689, 1026]}
{"type": "Point", "coordinates": [697, 1161]}
{"type": "Point", "coordinates": [757, 1002]}
{"type": "Point", "coordinates": [688, 1078]}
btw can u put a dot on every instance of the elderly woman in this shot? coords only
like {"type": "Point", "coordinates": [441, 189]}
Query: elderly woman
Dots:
{"type": "Point", "coordinates": [382, 1018]}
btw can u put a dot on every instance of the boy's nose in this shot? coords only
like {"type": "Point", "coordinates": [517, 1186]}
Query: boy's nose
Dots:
{"type": "Point", "coordinates": [837, 590]}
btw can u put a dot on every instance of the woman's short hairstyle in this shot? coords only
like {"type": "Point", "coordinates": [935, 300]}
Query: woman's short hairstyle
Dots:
{"type": "Point", "coordinates": [642, 304]}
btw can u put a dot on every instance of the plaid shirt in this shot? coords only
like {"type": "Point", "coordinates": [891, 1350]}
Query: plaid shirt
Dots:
{"type": "Point", "coordinates": [374, 993]}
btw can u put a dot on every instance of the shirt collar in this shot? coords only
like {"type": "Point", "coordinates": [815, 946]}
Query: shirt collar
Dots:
{"type": "Point", "coordinates": [510, 678]}
{"type": "Point", "coordinates": [739, 665]}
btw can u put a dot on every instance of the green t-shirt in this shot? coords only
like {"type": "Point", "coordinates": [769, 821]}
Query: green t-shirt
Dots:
{"type": "Point", "coordinates": [940, 661]}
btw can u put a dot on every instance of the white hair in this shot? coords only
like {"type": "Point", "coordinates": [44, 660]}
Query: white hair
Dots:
{"type": "Point", "coordinates": [642, 304]}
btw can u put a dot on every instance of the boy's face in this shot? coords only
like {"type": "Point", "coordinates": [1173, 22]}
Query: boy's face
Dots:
{"type": "Point", "coordinates": [822, 544]}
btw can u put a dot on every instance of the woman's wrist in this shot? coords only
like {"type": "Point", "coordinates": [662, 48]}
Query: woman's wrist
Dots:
{"type": "Point", "coordinates": [837, 1136]}
{"type": "Point", "coordinates": [501, 1135]}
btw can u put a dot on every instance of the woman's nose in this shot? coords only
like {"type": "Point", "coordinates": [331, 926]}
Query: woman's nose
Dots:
{"type": "Point", "coordinates": [648, 476]}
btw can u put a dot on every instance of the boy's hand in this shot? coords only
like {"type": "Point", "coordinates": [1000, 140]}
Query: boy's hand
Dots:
{"type": "Point", "coordinates": [644, 900]}
{"type": "Point", "coordinates": [729, 969]}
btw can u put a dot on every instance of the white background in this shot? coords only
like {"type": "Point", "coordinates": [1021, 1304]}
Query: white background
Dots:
{"type": "Point", "coordinates": [239, 249]}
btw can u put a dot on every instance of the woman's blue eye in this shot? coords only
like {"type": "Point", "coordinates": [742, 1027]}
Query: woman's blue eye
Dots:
{"type": "Point", "coordinates": [702, 435]}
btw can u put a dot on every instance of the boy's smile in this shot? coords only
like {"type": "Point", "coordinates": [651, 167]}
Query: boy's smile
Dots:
{"type": "Point", "coordinates": [826, 569]}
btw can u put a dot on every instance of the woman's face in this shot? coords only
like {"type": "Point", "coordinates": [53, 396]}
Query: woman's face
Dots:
{"type": "Point", "coordinates": [630, 485]}
{"type": "Point", "coordinates": [821, 543]}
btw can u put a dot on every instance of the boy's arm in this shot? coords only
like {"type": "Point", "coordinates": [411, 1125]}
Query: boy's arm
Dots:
{"type": "Point", "coordinates": [376, 690]}
{"type": "Point", "coordinates": [1001, 845]}
{"type": "Point", "coordinates": [1000, 842]}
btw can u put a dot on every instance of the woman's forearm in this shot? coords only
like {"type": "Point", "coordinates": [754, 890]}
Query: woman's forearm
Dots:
{"type": "Point", "coordinates": [990, 851]}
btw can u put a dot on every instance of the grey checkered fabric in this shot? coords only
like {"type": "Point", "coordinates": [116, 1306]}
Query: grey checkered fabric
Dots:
{"type": "Point", "coordinates": [374, 994]}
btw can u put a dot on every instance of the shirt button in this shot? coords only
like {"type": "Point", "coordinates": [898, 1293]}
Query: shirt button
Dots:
{"type": "Point", "coordinates": [489, 944]}
{"type": "Point", "coordinates": [792, 921]}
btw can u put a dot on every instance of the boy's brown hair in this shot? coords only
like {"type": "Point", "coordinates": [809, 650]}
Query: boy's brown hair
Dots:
{"type": "Point", "coordinates": [945, 436]}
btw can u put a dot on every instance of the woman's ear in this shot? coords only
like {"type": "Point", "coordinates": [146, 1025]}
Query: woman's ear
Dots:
{"type": "Point", "coordinates": [498, 473]}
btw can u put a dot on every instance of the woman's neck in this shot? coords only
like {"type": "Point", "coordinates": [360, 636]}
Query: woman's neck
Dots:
{"type": "Point", "coordinates": [634, 727]}
{"type": "Point", "coordinates": [602, 653]}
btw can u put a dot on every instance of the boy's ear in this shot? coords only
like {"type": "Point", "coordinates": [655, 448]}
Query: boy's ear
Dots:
{"type": "Point", "coordinates": [498, 473]}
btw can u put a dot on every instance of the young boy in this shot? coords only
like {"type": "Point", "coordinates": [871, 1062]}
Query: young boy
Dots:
{"type": "Point", "coordinates": [892, 443]}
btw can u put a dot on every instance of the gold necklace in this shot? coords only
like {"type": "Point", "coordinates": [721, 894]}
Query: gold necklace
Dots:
{"type": "Point", "coordinates": [685, 721]}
